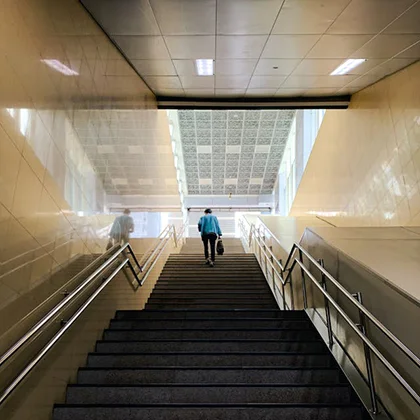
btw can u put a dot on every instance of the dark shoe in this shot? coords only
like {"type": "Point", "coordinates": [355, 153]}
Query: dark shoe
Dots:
{"type": "Point", "coordinates": [208, 261]}
{"type": "Point", "coordinates": [211, 264]}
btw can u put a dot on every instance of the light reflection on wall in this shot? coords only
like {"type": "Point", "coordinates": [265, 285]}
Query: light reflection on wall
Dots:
{"type": "Point", "coordinates": [78, 176]}
{"type": "Point", "coordinates": [151, 224]}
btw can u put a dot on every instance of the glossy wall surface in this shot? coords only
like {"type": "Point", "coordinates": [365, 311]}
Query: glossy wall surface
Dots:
{"type": "Point", "coordinates": [51, 198]}
{"type": "Point", "coordinates": [364, 169]}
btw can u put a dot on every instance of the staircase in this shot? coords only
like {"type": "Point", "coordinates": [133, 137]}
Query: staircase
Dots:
{"type": "Point", "coordinates": [210, 344]}
{"type": "Point", "coordinates": [195, 246]}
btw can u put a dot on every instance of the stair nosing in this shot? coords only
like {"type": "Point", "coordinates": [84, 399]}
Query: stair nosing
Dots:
{"type": "Point", "coordinates": [211, 405]}
{"type": "Point", "coordinates": [214, 385]}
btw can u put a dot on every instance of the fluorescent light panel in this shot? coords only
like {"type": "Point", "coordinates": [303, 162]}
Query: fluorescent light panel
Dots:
{"type": "Point", "coordinates": [204, 67]}
{"type": "Point", "coordinates": [347, 66]}
{"type": "Point", "coordinates": [60, 67]}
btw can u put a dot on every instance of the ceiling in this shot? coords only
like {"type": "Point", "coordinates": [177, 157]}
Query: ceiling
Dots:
{"type": "Point", "coordinates": [236, 152]}
{"type": "Point", "coordinates": [261, 48]}
{"type": "Point", "coordinates": [130, 150]}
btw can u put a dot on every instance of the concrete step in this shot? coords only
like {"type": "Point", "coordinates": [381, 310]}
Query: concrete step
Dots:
{"type": "Point", "coordinates": [274, 375]}
{"type": "Point", "coordinates": [211, 286]}
{"type": "Point", "coordinates": [202, 266]}
{"type": "Point", "coordinates": [204, 323]}
{"type": "Point", "coordinates": [219, 281]}
{"type": "Point", "coordinates": [302, 359]}
{"type": "Point", "coordinates": [180, 313]}
{"type": "Point", "coordinates": [213, 276]}
{"type": "Point", "coordinates": [210, 334]}
{"type": "Point", "coordinates": [209, 412]}
{"type": "Point", "coordinates": [209, 294]}
{"type": "Point", "coordinates": [211, 305]}
{"type": "Point", "coordinates": [216, 394]}
{"type": "Point", "coordinates": [226, 265]}
{"type": "Point", "coordinates": [210, 297]}
{"type": "Point", "coordinates": [108, 346]}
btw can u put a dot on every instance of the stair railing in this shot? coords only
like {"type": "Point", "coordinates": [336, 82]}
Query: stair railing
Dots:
{"type": "Point", "coordinates": [296, 259]}
{"type": "Point", "coordinates": [126, 258]}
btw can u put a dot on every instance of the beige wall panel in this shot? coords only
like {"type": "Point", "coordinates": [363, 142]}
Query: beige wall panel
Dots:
{"type": "Point", "coordinates": [364, 169]}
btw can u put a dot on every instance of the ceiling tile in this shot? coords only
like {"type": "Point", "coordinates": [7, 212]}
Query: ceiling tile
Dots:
{"type": "Point", "coordinates": [185, 67]}
{"type": "Point", "coordinates": [368, 16]}
{"type": "Point", "coordinates": [169, 92]}
{"type": "Point", "coordinates": [204, 149]}
{"type": "Point", "coordinates": [386, 46]}
{"type": "Point", "coordinates": [198, 93]}
{"type": "Point", "coordinates": [232, 82]}
{"type": "Point", "coordinates": [289, 46]}
{"type": "Point", "coordinates": [408, 23]}
{"type": "Point", "coordinates": [197, 82]}
{"type": "Point", "coordinates": [143, 47]}
{"type": "Point", "coordinates": [308, 16]}
{"type": "Point", "coordinates": [321, 92]}
{"type": "Point", "coordinates": [364, 81]}
{"type": "Point", "coordinates": [308, 82]}
{"type": "Point", "coordinates": [347, 91]}
{"type": "Point", "coordinates": [124, 17]}
{"type": "Point", "coordinates": [240, 67]}
{"type": "Point", "coordinates": [191, 47]}
{"type": "Point", "coordinates": [231, 181]}
{"type": "Point", "coordinates": [163, 82]}
{"type": "Point", "coordinates": [246, 16]}
{"type": "Point", "coordinates": [317, 67]}
{"type": "Point", "coordinates": [185, 17]}
{"type": "Point", "coordinates": [391, 66]}
{"type": "Point", "coordinates": [275, 67]}
{"type": "Point", "coordinates": [204, 181]}
{"type": "Point", "coordinates": [338, 46]}
{"type": "Point", "coordinates": [412, 52]}
{"type": "Point", "coordinates": [235, 46]}
{"type": "Point", "coordinates": [229, 93]}
{"type": "Point", "coordinates": [260, 82]}
{"type": "Point", "coordinates": [154, 67]}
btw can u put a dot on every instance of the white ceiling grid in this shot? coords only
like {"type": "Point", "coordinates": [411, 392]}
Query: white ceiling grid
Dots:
{"type": "Point", "coordinates": [266, 48]}
{"type": "Point", "coordinates": [236, 152]}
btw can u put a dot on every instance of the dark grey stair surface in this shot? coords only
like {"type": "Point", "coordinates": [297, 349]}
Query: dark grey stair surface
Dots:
{"type": "Point", "coordinates": [181, 374]}
{"type": "Point", "coordinates": [210, 344]}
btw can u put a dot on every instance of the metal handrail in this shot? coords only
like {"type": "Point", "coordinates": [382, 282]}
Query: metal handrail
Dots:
{"type": "Point", "coordinates": [256, 233]}
{"type": "Point", "coordinates": [359, 306]}
{"type": "Point", "coordinates": [286, 274]}
{"type": "Point", "coordinates": [25, 338]}
{"type": "Point", "coordinates": [153, 246]}
{"type": "Point", "coordinates": [371, 346]}
{"type": "Point", "coordinates": [269, 260]}
{"type": "Point", "coordinates": [62, 289]}
{"type": "Point", "coordinates": [156, 260]}
{"type": "Point", "coordinates": [58, 335]}
{"type": "Point", "coordinates": [171, 232]}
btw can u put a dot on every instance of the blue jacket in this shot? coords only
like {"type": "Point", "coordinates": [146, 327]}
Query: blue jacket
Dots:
{"type": "Point", "coordinates": [209, 224]}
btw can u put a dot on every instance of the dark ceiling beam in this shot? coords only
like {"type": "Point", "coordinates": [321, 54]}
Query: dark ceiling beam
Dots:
{"type": "Point", "coordinates": [330, 102]}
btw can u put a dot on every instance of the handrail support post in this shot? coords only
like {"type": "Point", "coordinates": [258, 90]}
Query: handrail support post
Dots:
{"type": "Point", "coordinates": [368, 359]}
{"type": "Point", "coordinates": [327, 307]}
{"type": "Point", "coordinates": [175, 238]}
{"type": "Point", "coordinates": [305, 297]}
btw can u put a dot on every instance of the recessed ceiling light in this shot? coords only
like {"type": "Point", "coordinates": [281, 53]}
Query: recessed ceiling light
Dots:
{"type": "Point", "coordinates": [347, 66]}
{"type": "Point", "coordinates": [60, 67]}
{"type": "Point", "coordinates": [204, 67]}
{"type": "Point", "coordinates": [275, 67]}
